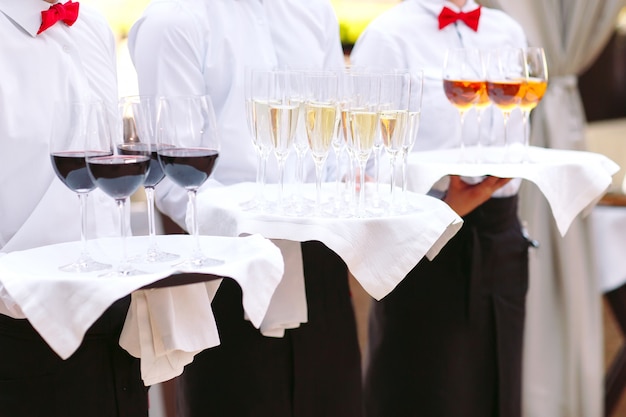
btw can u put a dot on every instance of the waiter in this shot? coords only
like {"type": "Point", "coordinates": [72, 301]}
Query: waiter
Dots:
{"type": "Point", "coordinates": [196, 47]}
{"type": "Point", "coordinates": [43, 61]}
{"type": "Point", "coordinates": [447, 342]}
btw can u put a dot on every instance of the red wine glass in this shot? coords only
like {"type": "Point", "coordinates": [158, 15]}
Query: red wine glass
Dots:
{"type": "Point", "coordinates": [188, 149]}
{"type": "Point", "coordinates": [139, 121]}
{"type": "Point", "coordinates": [117, 174]}
{"type": "Point", "coordinates": [67, 153]}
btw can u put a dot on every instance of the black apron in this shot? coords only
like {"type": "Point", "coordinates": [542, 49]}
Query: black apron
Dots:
{"type": "Point", "coordinates": [447, 342]}
{"type": "Point", "coordinates": [99, 380]}
{"type": "Point", "coordinates": [314, 370]}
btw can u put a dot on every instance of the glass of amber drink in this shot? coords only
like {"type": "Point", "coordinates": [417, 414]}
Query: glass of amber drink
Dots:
{"type": "Point", "coordinates": [506, 74]}
{"type": "Point", "coordinates": [463, 78]}
{"type": "Point", "coordinates": [534, 87]}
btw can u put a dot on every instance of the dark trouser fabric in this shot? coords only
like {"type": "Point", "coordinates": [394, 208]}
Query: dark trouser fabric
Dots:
{"type": "Point", "coordinates": [447, 342]}
{"type": "Point", "coordinates": [313, 370]}
{"type": "Point", "coordinates": [99, 380]}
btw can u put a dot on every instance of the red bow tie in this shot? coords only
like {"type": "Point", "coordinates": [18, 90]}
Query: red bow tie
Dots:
{"type": "Point", "coordinates": [68, 13]}
{"type": "Point", "coordinates": [448, 16]}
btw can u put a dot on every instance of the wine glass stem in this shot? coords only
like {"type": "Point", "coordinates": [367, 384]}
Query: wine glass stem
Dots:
{"type": "Point", "coordinates": [392, 180]}
{"type": "Point", "coordinates": [376, 173]}
{"type": "Point", "coordinates": [318, 187]}
{"type": "Point", "coordinates": [525, 117]}
{"type": "Point", "coordinates": [281, 184]}
{"type": "Point", "coordinates": [337, 177]}
{"type": "Point", "coordinates": [194, 221]}
{"type": "Point", "coordinates": [82, 197]}
{"type": "Point", "coordinates": [299, 175]}
{"type": "Point", "coordinates": [121, 203]}
{"type": "Point", "coordinates": [264, 156]}
{"type": "Point", "coordinates": [405, 155]}
{"type": "Point", "coordinates": [151, 226]}
{"type": "Point", "coordinates": [461, 138]}
{"type": "Point", "coordinates": [361, 209]}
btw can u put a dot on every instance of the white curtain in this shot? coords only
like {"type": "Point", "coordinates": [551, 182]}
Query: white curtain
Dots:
{"type": "Point", "coordinates": [563, 352]}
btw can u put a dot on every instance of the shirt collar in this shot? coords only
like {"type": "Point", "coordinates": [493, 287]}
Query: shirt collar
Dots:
{"type": "Point", "coordinates": [435, 6]}
{"type": "Point", "coordinates": [25, 13]}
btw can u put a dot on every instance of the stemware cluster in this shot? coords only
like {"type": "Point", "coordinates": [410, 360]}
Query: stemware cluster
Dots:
{"type": "Point", "coordinates": [358, 111]}
{"type": "Point", "coordinates": [509, 78]}
{"type": "Point", "coordinates": [118, 150]}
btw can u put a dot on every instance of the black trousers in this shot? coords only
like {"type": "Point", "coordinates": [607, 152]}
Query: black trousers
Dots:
{"type": "Point", "coordinates": [447, 342]}
{"type": "Point", "coordinates": [313, 370]}
{"type": "Point", "coordinates": [99, 380]}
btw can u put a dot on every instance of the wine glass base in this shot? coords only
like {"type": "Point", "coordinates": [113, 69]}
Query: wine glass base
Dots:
{"type": "Point", "coordinates": [84, 265]}
{"type": "Point", "coordinates": [198, 262]}
{"type": "Point", "coordinates": [122, 272]}
{"type": "Point", "coordinates": [155, 256]}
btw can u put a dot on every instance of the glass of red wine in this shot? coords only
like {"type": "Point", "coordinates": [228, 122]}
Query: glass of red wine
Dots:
{"type": "Point", "coordinates": [188, 149]}
{"type": "Point", "coordinates": [67, 153]}
{"type": "Point", "coordinates": [139, 122]}
{"type": "Point", "coordinates": [117, 174]}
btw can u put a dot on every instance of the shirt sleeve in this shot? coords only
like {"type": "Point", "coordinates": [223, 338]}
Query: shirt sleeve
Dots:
{"type": "Point", "coordinates": [166, 45]}
{"type": "Point", "coordinates": [377, 49]}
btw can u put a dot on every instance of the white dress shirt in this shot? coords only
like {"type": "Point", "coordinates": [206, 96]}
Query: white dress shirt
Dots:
{"type": "Point", "coordinates": [408, 36]}
{"type": "Point", "coordinates": [62, 63]}
{"type": "Point", "coordinates": [208, 44]}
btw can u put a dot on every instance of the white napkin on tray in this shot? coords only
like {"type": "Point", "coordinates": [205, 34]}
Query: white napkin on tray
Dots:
{"type": "Point", "coordinates": [571, 181]}
{"type": "Point", "coordinates": [165, 327]}
{"type": "Point", "coordinates": [379, 252]}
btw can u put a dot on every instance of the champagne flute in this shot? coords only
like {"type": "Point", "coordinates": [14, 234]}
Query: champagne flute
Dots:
{"type": "Point", "coordinates": [139, 121]}
{"type": "Point", "coordinates": [257, 90]}
{"type": "Point", "coordinates": [284, 113]}
{"type": "Point", "coordinates": [506, 70]}
{"type": "Point", "coordinates": [534, 88]}
{"type": "Point", "coordinates": [252, 91]}
{"type": "Point", "coordinates": [321, 118]}
{"type": "Point", "coordinates": [188, 149]}
{"type": "Point", "coordinates": [345, 134]}
{"type": "Point", "coordinates": [393, 117]}
{"type": "Point", "coordinates": [67, 154]}
{"type": "Point", "coordinates": [300, 206]}
{"type": "Point", "coordinates": [410, 136]}
{"type": "Point", "coordinates": [362, 107]}
{"type": "Point", "coordinates": [462, 81]}
{"type": "Point", "coordinates": [117, 174]}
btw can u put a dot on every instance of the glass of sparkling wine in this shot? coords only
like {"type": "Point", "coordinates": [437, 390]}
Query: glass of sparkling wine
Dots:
{"type": "Point", "coordinates": [462, 81]}
{"type": "Point", "coordinates": [410, 133]}
{"type": "Point", "coordinates": [139, 121]}
{"type": "Point", "coordinates": [284, 112]}
{"type": "Point", "coordinates": [117, 174]}
{"type": "Point", "coordinates": [506, 73]}
{"type": "Point", "coordinates": [321, 118]}
{"type": "Point", "coordinates": [257, 90]}
{"type": "Point", "coordinates": [362, 113]}
{"type": "Point", "coordinates": [534, 88]}
{"type": "Point", "coordinates": [188, 149]}
{"type": "Point", "coordinates": [393, 119]}
{"type": "Point", "coordinates": [67, 154]}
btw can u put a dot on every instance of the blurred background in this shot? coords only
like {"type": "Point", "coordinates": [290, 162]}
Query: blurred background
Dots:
{"type": "Point", "coordinates": [602, 86]}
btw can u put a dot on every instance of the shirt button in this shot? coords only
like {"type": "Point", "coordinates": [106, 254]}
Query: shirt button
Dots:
{"type": "Point", "coordinates": [66, 48]}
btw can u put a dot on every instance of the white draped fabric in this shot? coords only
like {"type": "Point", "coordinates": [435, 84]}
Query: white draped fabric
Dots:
{"type": "Point", "coordinates": [563, 369]}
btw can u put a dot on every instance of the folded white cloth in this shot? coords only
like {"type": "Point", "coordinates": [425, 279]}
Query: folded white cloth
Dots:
{"type": "Point", "coordinates": [571, 181]}
{"type": "Point", "coordinates": [378, 251]}
{"type": "Point", "coordinates": [288, 307]}
{"type": "Point", "coordinates": [165, 326]}
{"type": "Point", "coordinates": [608, 227]}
